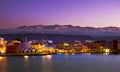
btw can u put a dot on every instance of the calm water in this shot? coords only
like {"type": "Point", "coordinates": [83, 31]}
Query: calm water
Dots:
{"type": "Point", "coordinates": [61, 63]}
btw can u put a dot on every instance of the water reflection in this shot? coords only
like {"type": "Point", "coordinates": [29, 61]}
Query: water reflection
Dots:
{"type": "Point", "coordinates": [73, 53]}
{"type": "Point", "coordinates": [106, 53]}
{"type": "Point", "coordinates": [26, 57]}
{"type": "Point", "coordinates": [26, 63]}
{"type": "Point", "coordinates": [46, 63]}
{"type": "Point", "coordinates": [89, 53]}
{"type": "Point", "coordinates": [61, 63]}
{"type": "Point", "coordinates": [3, 64]}
{"type": "Point", "coordinates": [2, 58]}
{"type": "Point", "coordinates": [47, 57]}
{"type": "Point", "coordinates": [66, 54]}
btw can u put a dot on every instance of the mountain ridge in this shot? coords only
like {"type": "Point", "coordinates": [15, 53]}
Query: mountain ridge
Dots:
{"type": "Point", "coordinates": [64, 29]}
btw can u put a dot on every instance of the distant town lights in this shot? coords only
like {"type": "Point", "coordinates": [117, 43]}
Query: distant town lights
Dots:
{"type": "Point", "coordinates": [66, 44]}
{"type": "Point", "coordinates": [107, 50]}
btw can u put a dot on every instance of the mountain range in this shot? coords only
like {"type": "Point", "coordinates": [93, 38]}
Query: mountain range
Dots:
{"type": "Point", "coordinates": [64, 30]}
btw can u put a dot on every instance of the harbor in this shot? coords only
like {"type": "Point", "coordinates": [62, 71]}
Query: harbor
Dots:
{"type": "Point", "coordinates": [16, 47]}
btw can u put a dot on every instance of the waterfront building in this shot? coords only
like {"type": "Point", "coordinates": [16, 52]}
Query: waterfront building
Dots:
{"type": "Point", "coordinates": [25, 47]}
{"type": "Point", "coordinates": [2, 41]}
{"type": "Point", "coordinates": [2, 45]}
{"type": "Point", "coordinates": [116, 46]}
{"type": "Point", "coordinates": [76, 45]}
{"type": "Point", "coordinates": [84, 49]}
{"type": "Point", "coordinates": [13, 47]}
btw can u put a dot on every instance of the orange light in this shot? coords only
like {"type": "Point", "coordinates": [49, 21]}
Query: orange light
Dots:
{"type": "Point", "coordinates": [26, 57]}
{"type": "Point", "coordinates": [1, 58]}
{"type": "Point", "coordinates": [107, 50]}
{"type": "Point", "coordinates": [73, 53]}
{"type": "Point", "coordinates": [66, 44]}
{"type": "Point", "coordinates": [47, 56]}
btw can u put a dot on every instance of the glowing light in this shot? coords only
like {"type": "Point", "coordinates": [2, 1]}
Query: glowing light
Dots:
{"type": "Point", "coordinates": [61, 51]}
{"type": "Point", "coordinates": [47, 56]}
{"type": "Point", "coordinates": [33, 50]}
{"type": "Point", "coordinates": [26, 50]}
{"type": "Point", "coordinates": [2, 49]}
{"type": "Point", "coordinates": [43, 45]}
{"type": "Point", "coordinates": [1, 58]}
{"type": "Point", "coordinates": [105, 53]}
{"type": "Point", "coordinates": [89, 53]}
{"type": "Point", "coordinates": [26, 57]}
{"type": "Point", "coordinates": [107, 50]}
{"type": "Point", "coordinates": [66, 44]}
{"type": "Point", "coordinates": [73, 53]}
{"type": "Point", "coordinates": [16, 41]}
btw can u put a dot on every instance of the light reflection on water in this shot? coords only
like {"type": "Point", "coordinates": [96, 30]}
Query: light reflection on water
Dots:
{"type": "Point", "coordinates": [47, 57]}
{"type": "Point", "coordinates": [3, 65]}
{"type": "Point", "coordinates": [26, 64]}
{"type": "Point", "coordinates": [2, 58]}
{"type": "Point", "coordinates": [26, 57]}
{"type": "Point", "coordinates": [46, 63]}
{"type": "Point", "coordinates": [106, 53]}
{"type": "Point", "coordinates": [61, 63]}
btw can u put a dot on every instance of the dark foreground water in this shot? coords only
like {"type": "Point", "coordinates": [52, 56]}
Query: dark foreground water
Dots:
{"type": "Point", "coordinates": [61, 63]}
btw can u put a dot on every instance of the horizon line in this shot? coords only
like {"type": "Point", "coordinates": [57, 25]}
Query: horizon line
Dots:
{"type": "Point", "coordinates": [59, 25]}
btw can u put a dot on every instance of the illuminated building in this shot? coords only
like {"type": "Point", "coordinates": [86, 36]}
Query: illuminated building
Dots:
{"type": "Point", "coordinates": [2, 49]}
{"type": "Point", "coordinates": [84, 49]}
{"type": "Point", "coordinates": [2, 41]}
{"type": "Point", "coordinates": [2, 45]}
{"type": "Point", "coordinates": [13, 47]}
{"type": "Point", "coordinates": [107, 50]}
{"type": "Point", "coordinates": [76, 46]}
{"type": "Point", "coordinates": [25, 46]}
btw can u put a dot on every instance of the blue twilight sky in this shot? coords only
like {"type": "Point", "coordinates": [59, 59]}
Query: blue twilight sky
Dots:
{"type": "Point", "coordinates": [95, 13]}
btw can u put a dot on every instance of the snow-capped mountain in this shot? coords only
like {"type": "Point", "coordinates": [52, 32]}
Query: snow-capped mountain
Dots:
{"type": "Point", "coordinates": [63, 29]}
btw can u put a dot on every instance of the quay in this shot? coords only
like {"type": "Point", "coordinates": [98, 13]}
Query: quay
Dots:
{"type": "Point", "coordinates": [28, 54]}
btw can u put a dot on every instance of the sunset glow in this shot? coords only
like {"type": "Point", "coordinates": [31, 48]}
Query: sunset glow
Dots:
{"type": "Point", "coordinates": [95, 13]}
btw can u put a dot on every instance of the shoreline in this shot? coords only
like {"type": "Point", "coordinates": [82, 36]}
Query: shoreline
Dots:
{"type": "Point", "coordinates": [5, 55]}
{"type": "Point", "coordinates": [41, 54]}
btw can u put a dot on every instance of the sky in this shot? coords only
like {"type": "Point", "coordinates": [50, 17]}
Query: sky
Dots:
{"type": "Point", "coordinates": [94, 13]}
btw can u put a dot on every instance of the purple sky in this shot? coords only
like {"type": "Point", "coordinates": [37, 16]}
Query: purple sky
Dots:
{"type": "Point", "coordinates": [95, 13]}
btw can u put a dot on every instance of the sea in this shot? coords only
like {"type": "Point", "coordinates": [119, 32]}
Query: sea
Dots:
{"type": "Point", "coordinates": [61, 63]}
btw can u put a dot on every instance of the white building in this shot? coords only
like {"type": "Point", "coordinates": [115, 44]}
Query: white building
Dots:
{"type": "Point", "coordinates": [2, 41]}
{"type": "Point", "coordinates": [2, 45]}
